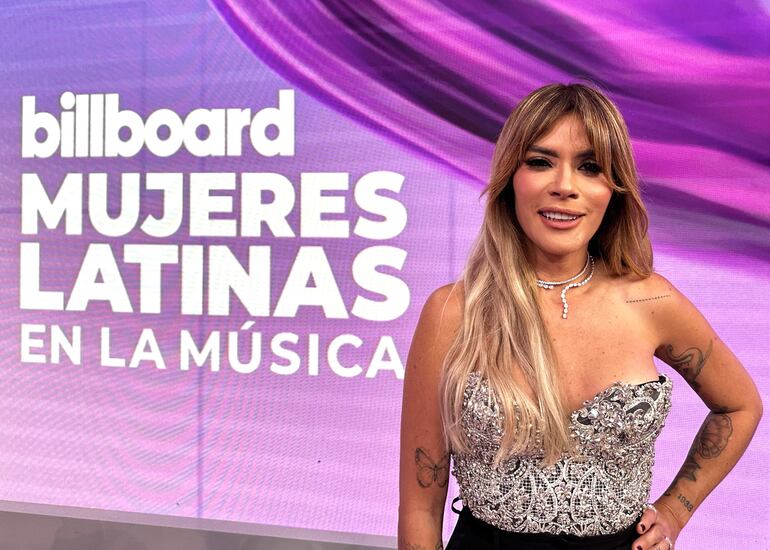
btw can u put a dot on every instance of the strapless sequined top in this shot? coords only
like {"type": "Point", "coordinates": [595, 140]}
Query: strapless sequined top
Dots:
{"type": "Point", "coordinates": [600, 488]}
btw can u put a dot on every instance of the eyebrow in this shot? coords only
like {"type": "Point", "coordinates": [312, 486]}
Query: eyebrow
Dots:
{"type": "Point", "coordinates": [551, 153]}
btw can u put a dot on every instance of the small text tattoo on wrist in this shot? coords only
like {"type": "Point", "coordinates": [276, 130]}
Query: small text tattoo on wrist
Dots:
{"type": "Point", "coordinates": [685, 502]}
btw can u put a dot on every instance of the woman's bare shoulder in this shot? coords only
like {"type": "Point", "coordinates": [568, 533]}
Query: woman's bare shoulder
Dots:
{"type": "Point", "coordinates": [443, 309]}
{"type": "Point", "coordinates": [631, 286]}
{"type": "Point", "coordinates": [651, 287]}
{"type": "Point", "coordinates": [453, 292]}
{"type": "Point", "coordinates": [644, 301]}
{"type": "Point", "coordinates": [447, 299]}
{"type": "Point", "coordinates": [436, 329]}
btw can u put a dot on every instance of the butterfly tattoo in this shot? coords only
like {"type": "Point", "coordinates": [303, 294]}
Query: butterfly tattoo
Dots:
{"type": "Point", "coordinates": [429, 471]}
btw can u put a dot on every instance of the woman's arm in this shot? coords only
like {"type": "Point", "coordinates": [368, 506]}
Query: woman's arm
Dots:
{"type": "Point", "coordinates": [690, 345]}
{"type": "Point", "coordinates": [424, 460]}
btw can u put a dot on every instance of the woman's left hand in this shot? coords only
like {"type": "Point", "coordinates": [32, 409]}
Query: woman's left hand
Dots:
{"type": "Point", "coordinates": [659, 529]}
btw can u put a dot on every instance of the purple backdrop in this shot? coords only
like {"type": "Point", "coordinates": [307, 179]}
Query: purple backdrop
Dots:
{"type": "Point", "coordinates": [415, 87]}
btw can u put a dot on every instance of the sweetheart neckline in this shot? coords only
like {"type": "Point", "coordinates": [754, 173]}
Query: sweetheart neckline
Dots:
{"type": "Point", "coordinates": [661, 379]}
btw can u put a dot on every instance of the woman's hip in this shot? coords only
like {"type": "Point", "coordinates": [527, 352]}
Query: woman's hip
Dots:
{"type": "Point", "coordinates": [473, 533]}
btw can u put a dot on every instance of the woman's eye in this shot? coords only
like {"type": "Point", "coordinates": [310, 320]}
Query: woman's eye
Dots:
{"type": "Point", "coordinates": [536, 162]}
{"type": "Point", "coordinates": [593, 167]}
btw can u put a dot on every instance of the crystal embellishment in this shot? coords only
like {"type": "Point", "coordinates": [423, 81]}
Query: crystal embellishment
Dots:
{"type": "Point", "coordinates": [599, 489]}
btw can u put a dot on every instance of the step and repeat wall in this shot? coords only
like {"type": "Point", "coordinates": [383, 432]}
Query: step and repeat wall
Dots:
{"type": "Point", "coordinates": [221, 220]}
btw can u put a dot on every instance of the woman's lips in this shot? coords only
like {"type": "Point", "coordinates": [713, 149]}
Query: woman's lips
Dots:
{"type": "Point", "coordinates": [560, 224]}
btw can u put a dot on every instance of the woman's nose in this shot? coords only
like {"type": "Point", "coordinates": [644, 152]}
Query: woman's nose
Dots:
{"type": "Point", "coordinates": [564, 182]}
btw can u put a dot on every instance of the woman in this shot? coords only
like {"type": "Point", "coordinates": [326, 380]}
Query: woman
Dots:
{"type": "Point", "coordinates": [535, 371]}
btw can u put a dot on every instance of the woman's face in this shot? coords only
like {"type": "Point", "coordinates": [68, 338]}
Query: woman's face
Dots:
{"type": "Point", "coordinates": [560, 171]}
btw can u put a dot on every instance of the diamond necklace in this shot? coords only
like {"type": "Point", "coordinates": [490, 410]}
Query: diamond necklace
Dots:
{"type": "Point", "coordinates": [548, 285]}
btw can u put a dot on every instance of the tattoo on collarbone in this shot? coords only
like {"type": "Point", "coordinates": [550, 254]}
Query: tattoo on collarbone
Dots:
{"type": "Point", "coordinates": [430, 471]}
{"type": "Point", "coordinates": [648, 299]}
{"type": "Point", "coordinates": [689, 363]}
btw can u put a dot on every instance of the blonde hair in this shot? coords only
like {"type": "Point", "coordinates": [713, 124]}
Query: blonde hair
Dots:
{"type": "Point", "coordinates": [502, 327]}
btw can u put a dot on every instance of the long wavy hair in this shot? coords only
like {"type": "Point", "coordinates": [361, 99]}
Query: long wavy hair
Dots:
{"type": "Point", "coordinates": [502, 328]}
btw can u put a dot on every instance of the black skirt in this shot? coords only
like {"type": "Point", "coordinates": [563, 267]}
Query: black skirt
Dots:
{"type": "Point", "coordinates": [471, 533]}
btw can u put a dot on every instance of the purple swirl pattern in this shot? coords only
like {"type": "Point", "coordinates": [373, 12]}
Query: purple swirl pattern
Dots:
{"type": "Point", "coordinates": [692, 80]}
{"type": "Point", "coordinates": [435, 79]}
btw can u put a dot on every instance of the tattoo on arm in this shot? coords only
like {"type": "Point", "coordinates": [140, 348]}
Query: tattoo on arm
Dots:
{"type": "Point", "coordinates": [685, 502]}
{"type": "Point", "coordinates": [430, 471]}
{"type": "Point", "coordinates": [689, 363]}
{"type": "Point", "coordinates": [711, 440]}
{"type": "Point", "coordinates": [687, 471]}
{"type": "Point", "coordinates": [714, 434]}
{"type": "Point", "coordinates": [690, 467]}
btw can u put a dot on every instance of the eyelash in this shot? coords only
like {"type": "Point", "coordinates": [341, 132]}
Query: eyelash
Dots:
{"type": "Point", "coordinates": [531, 162]}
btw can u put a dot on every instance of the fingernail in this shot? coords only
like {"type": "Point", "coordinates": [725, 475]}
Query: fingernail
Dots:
{"type": "Point", "coordinates": [643, 528]}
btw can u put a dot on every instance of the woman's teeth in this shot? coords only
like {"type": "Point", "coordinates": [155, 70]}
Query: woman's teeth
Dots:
{"type": "Point", "coordinates": [554, 216]}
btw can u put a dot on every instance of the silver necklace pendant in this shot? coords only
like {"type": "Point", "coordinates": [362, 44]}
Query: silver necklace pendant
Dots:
{"type": "Point", "coordinates": [548, 285]}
